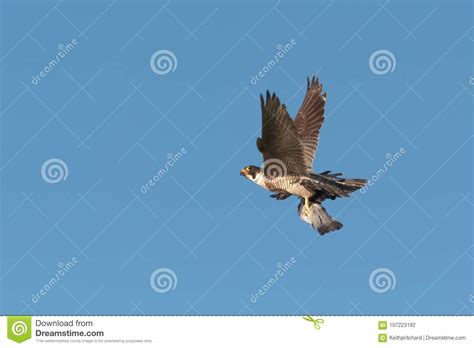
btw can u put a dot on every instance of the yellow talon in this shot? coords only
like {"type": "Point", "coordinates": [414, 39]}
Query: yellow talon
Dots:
{"type": "Point", "coordinates": [306, 204]}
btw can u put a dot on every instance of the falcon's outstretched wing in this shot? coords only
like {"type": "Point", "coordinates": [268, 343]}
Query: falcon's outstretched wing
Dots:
{"type": "Point", "coordinates": [280, 140]}
{"type": "Point", "coordinates": [310, 118]}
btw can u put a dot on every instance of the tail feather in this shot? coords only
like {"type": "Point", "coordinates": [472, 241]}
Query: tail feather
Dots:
{"type": "Point", "coordinates": [337, 186]}
{"type": "Point", "coordinates": [354, 184]}
{"type": "Point", "coordinates": [318, 218]}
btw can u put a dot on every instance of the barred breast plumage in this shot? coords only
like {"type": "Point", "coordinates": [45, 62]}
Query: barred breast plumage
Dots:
{"type": "Point", "coordinates": [288, 183]}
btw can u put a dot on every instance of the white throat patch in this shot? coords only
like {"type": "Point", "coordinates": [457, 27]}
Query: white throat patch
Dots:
{"type": "Point", "coordinates": [259, 179]}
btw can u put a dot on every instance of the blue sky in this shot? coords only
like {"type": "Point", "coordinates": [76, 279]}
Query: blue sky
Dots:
{"type": "Point", "coordinates": [114, 117]}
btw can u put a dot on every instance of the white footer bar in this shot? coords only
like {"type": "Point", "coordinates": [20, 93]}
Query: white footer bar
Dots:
{"type": "Point", "coordinates": [237, 331]}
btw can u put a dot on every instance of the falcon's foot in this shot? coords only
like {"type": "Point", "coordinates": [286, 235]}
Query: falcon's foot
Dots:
{"type": "Point", "coordinates": [306, 205]}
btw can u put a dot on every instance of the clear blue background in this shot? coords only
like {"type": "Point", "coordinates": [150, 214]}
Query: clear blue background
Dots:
{"type": "Point", "coordinates": [220, 234]}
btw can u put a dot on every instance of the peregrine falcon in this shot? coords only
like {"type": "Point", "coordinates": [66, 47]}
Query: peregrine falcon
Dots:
{"type": "Point", "coordinates": [288, 147]}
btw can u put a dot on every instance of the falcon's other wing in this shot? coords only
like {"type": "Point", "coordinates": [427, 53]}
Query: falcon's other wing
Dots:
{"type": "Point", "coordinates": [310, 118]}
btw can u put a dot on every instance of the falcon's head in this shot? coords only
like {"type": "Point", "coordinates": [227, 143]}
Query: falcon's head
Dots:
{"type": "Point", "coordinates": [251, 172]}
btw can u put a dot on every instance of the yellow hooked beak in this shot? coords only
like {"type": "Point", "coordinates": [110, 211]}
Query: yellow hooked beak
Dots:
{"type": "Point", "coordinates": [244, 171]}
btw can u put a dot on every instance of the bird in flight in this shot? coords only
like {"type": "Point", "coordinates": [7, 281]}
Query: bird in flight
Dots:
{"type": "Point", "coordinates": [288, 147]}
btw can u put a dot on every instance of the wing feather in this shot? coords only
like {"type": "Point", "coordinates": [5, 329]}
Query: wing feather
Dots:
{"type": "Point", "coordinates": [310, 118]}
{"type": "Point", "coordinates": [280, 141]}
